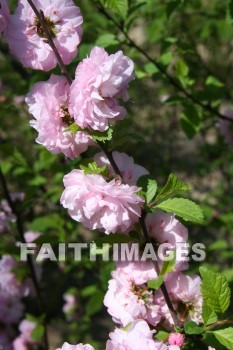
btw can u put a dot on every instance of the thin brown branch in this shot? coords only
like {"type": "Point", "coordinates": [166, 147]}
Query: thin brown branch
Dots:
{"type": "Point", "coordinates": [161, 68]}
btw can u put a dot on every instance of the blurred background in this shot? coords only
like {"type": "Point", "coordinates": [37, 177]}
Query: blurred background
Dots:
{"type": "Point", "coordinates": [164, 131]}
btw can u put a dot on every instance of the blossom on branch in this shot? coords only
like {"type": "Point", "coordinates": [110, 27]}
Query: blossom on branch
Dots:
{"type": "Point", "coordinates": [28, 41]}
{"type": "Point", "coordinates": [129, 170]}
{"type": "Point", "coordinates": [48, 103]}
{"type": "Point", "coordinates": [98, 204]}
{"type": "Point", "coordinates": [128, 297]}
{"type": "Point", "coordinates": [100, 81]}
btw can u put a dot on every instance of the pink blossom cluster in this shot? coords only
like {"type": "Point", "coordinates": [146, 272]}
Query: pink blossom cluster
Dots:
{"type": "Point", "coordinates": [129, 298]}
{"type": "Point", "coordinates": [27, 39]}
{"type": "Point", "coordinates": [100, 81]}
{"type": "Point", "coordinates": [11, 291]}
{"type": "Point", "coordinates": [48, 103]}
{"type": "Point", "coordinates": [137, 337]}
{"type": "Point", "coordinates": [70, 306]}
{"type": "Point", "coordinates": [98, 204]}
{"type": "Point", "coordinates": [24, 341]}
{"type": "Point", "coordinates": [111, 204]}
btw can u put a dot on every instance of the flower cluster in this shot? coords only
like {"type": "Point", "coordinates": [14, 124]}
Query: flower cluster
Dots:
{"type": "Point", "coordinates": [24, 340]}
{"type": "Point", "coordinates": [100, 81]}
{"type": "Point", "coordinates": [13, 289]}
{"type": "Point", "coordinates": [48, 102]}
{"type": "Point", "coordinates": [98, 204]}
{"type": "Point", "coordinates": [67, 116]}
{"type": "Point", "coordinates": [27, 38]}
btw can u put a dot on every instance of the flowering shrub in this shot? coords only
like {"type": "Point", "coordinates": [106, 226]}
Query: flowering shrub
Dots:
{"type": "Point", "coordinates": [156, 294]}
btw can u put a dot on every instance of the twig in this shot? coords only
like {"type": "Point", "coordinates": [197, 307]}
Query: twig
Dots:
{"type": "Point", "coordinates": [160, 67]}
{"type": "Point", "coordinates": [218, 323]}
{"type": "Point", "coordinates": [20, 229]}
{"type": "Point", "coordinates": [109, 156]}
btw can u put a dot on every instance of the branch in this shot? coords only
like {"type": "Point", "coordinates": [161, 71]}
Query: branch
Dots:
{"type": "Point", "coordinates": [20, 229]}
{"type": "Point", "coordinates": [108, 154]}
{"type": "Point", "coordinates": [160, 67]}
{"type": "Point", "coordinates": [219, 323]}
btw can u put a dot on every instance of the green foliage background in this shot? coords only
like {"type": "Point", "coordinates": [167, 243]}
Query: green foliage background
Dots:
{"type": "Point", "coordinates": [164, 130]}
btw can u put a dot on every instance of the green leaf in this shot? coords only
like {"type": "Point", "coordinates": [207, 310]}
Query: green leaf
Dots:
{"type": "Point", "coordinates": [149, 187]}
{"type": "Point", "coordinates": [37, 332]}
{"type": "Point", "coordinates": [190, 121]}
{"type": "Point", "coordinates": [225, 337]}
{"type": "Point", "coordinates": [182, 71]}
{"type": "Point", "coordinates": [161, 335]}
{"type": "Point", "coordinates": [95, 303]}
{"type": "Point", "coordinates": [185, 208]}
{"type": "Point", "coordinates": [229, 13]}
{"type": "Point", "coordinates": [166, 58]}
{"type": "Point", "coordinates": [155, 284]}
{"type": "Point", "coordinates": [171, 7]}
{"type": "Point", "coordinates": [213, 81]}
{"type": "Point", "coordinates": [151, 190]}
{"type": "Point", "coordinates": [102, 136]}
{"type": "Point", "coordinates": [89, 166]}
{"type": "Point", "coordinates": [168, 265]}
{"type": "Point", "coordinates": [208, 315]}
{"type": "Point", "coordinates": [107, 40]}
{"type": "Point", "coordinates": [192, 328]}
{"type": "Point", "coordinates": [172, 187]}
{"type": "Point", "coordinates": [119, 6]}
{"type": "Point", "coordinates": [73, 128]}
{"type": "Point", "coordinates": [215, 290]}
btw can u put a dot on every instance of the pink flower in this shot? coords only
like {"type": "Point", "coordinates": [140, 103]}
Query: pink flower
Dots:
{"type": "Point", "coordinates": [4, 15]}
{"type": "Point", "coordinates": [128, 297]}
{"type": "Point", "coordinates": [26, 327]}
{"type": "Point", "coordinates": [48, 103]}
{"type": "Point", "coordinates": [165, 228]}
{"type": "Point", "coordinates": [31, 236]}
{"type": "Point", "coordinates": [19, 344]}
{"type": "Point", "coordinates": [80, 346]}
{"type": "Point", "coordinates": [137, 337]}
{"type": "Point", "coordinates": [185, 293]}
{"type": "Point", "coordinates": [9, 285]}
{"type": "Point", "coordinates": [24, 340]}
{"type": "Point", "coordinates": [98, 204]}
{"type": "Point", "coordinates": [28, 41]}
{"type": "Point", "coordinates": [225, 127]}
{"type": "Point", "coordinates": [70, 306]}
{"type": "Point", "coordinates": [129, 170]}
{"type": "Point", "coordinates": [176, 339]}
{"type": "Point", "coordinates": [100, 81]}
